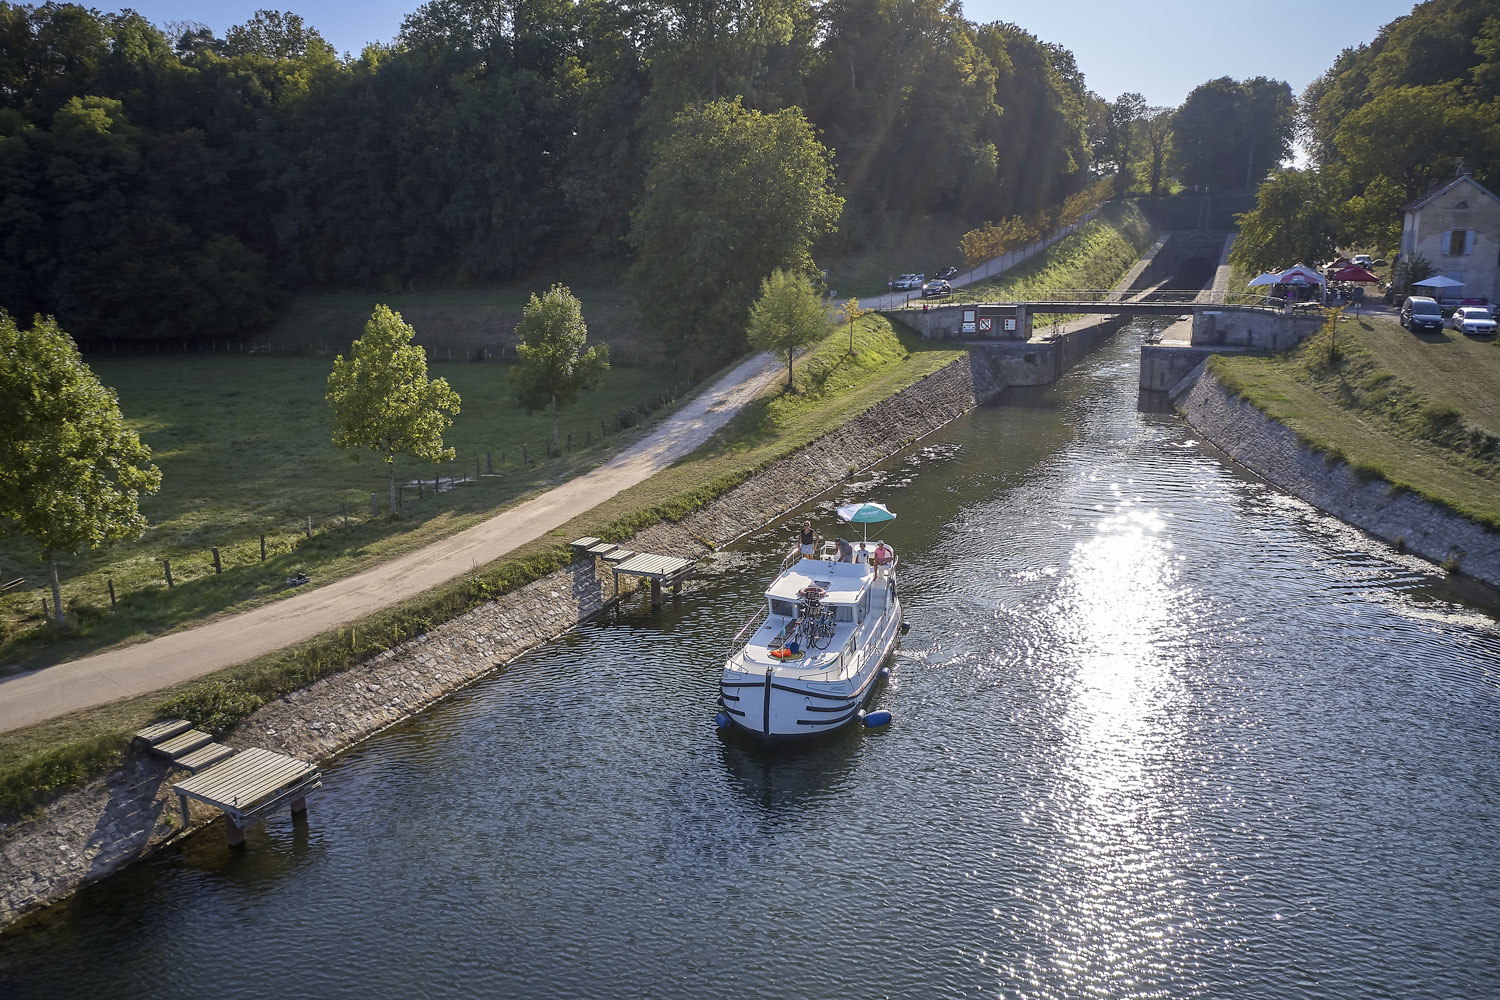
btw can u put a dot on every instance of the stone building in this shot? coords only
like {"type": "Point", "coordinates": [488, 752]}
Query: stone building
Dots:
{"type": "Point", "coordinates": [1457, 228]}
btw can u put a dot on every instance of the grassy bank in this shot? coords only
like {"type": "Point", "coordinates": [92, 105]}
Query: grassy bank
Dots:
{"type": "Point", "coordinates": [244, 447]}
{"type": "Point", "coordinates": [1414, 410]}
{"type": "Point", "coordinates": [1098, 256]}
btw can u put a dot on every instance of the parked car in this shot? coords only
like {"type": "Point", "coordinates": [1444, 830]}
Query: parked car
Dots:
{"type": "Point", "coordinates": [1364, 260]}
{"type": "Point", "coordinates": [1421, 312]}
{"type": "Point", "coordinates": [1473, 320]}
{"type": "Point", "coordinates": [910, 282]}
{"type": "Point", "coordinates": [935, 288]}
{"type": "Point", "coordinates": [948, 272]}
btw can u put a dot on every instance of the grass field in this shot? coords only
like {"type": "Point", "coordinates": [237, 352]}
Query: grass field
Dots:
{"type": "Point", "coordinates": [1418, 411]}
{"type": "Point", "coordinates": [244, 448]}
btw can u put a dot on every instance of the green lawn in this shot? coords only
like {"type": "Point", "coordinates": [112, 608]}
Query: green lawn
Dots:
{"type": "Point", "coordinates": [1417, 411]}
{"type": "Point", "coordinates": [244, 446]}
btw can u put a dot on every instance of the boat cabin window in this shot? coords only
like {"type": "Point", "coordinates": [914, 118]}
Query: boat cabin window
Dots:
{"type": "Point", "coordinates": [843, 612]}
{"type": "Point", "coordinates": [784, 608]}
{"type": "Point", "coordinates": [864, 605]}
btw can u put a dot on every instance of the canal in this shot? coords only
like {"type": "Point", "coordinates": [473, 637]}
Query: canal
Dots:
{"type": "Point", "coordinates": [1161, 731]}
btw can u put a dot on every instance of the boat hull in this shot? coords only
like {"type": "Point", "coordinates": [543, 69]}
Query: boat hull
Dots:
{"type": "Point", "coordinates": [777, 708]}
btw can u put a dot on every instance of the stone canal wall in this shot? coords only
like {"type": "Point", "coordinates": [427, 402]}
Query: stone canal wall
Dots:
{"type": "Point", "coordinates": [1271, 450]}
{"type": "Point", "coordinates": [87, 834]}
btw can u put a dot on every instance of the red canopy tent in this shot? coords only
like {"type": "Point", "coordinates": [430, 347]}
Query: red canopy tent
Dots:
{"type": "Point", "coordinates": [1356, 274]}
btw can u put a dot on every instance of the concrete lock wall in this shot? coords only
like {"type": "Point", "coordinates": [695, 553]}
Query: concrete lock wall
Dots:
{"type": "Point", "coordinates": [1252, 329]}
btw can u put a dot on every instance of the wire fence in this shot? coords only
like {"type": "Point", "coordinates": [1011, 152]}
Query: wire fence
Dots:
{"type": "Point", "coordinates": [27, 601]}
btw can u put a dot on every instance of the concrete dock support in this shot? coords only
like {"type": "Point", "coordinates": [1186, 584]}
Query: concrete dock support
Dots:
{"type": "Point", "coordinates": [233, 832]}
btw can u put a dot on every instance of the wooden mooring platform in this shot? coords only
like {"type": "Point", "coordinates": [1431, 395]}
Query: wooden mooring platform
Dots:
{"type": "Point", "coordinates": [245, 786]}
{"type": "Point", "coordinates": [660, 570]}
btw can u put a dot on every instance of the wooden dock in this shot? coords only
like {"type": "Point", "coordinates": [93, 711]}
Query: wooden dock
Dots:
{"type": "Point", "coordinates": [669, 570]}
{"type": "Point", "coordinates": [249, 786]}
{"type": "Point", "coordinates": [244, 786]}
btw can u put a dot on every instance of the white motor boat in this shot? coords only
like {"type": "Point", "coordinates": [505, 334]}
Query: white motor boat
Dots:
{"type": "Point", "coordinates": [809, 661]}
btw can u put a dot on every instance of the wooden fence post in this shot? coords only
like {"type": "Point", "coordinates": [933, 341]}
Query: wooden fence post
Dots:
{"type": "Point", "coordinates": [309, 526]}
{"type": "Point", "coordinates": [45, 616]}
{"type": "Point", "coordinates": [218, 567]}
{"type": "Point", "coordinates": [262, 548]}
{"type": "Point", "coordinates": [419, 488]}
{"type": "Point", "coordinates": [166, 565]}
{"type": "Point", "coordinates": [570, 440]}
{"type": "Point", "coordinates": [525, 459]}
{"type": "Point", "coordinates": [111, 593]}
{"type": "Point", "coordinates": [489, 466]}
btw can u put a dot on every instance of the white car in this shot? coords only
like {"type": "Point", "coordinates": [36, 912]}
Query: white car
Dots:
{"type": "Point", "coordinates": [1364, 260]}
{"type": "Point", "coordinates": [1472, 320]}
{"type": "Point", "coordinates": [910, 282]}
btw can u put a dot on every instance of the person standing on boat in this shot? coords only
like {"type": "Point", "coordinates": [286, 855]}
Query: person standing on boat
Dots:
{"type": "Point", "coordinates": [846, 551]}
{"type": "Point", "coordinates": [808, 539]}
{"type": "Point", "coordinates": [863, 555]}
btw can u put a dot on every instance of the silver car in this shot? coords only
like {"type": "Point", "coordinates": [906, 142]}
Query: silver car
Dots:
{"type": "Point", "coordinates": [1472, 320]}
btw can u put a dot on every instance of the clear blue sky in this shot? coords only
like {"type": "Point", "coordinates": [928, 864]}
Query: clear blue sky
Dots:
{"type": "Point", "coordinates": [1161, 49]}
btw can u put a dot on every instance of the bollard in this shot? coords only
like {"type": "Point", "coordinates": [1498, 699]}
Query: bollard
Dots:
{"type": "Point", "coordinates": [111, 593]}
{"type": "Point", "coordinates": [262, 548]}
{"type": "Point", "coordinates": [525, 460]}
{"type": "Point", "coordinates": [374, 511]}
{"type": "Point", "coordinates": [218, 567]}
{"type": "Point", "coordinates": [166, 565]}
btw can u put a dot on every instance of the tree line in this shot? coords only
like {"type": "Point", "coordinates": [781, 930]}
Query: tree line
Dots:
{"type": "Point", "coordinates": [167, 182]}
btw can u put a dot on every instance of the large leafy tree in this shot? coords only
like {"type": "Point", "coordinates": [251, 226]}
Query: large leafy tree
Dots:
{"type": "Point", "coordinates": [383, 400]}
{"type": "Point", "coordinates": [732, 194]}
{"type": "Point", "coordinates": [1230, 134]}
{"type": "Point", "coordinates": [553, 367]}
{"type": "Point", "coordinates": [71, 472]}
{"type": "Point", "coordinates": [1293, 222]}
{"type": "Point", "coordinates": [788, 316]}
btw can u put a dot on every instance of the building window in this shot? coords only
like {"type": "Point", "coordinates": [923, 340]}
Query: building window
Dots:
{"type": "Point", "coordinates": [1458, 243]}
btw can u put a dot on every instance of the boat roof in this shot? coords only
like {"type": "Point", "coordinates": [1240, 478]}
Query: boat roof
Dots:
{"type": "Point", "coordinates": [843, 581]}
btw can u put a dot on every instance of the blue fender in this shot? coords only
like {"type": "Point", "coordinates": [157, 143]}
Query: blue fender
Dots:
{"type": "Point", "coordinates": [875, 720]}
{"type": "Point", "coordinates": [721, 720]}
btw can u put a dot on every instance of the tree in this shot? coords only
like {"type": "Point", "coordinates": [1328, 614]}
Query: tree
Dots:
{"type": "Point", "coordinates": [71, 472]}
{"type": "Point", "coordinates": [1156, 130]}
{"type": "Point", "coordinates": [851, 311]}
{"type": "Point", "coordinates": [1293, 222]}
{"type": "Point", "coordinates": [553, 366]}
{"type": "Point", "coordinates": [788, 316]}
{"type": "Point", "coordinates": [1229, 134]}
{"type": "Point", "coordinates": [1121, 123]}
{"type": "Point", "coordinates": [383, 400]}
{"type": "Point", "coordinates": [732, 194]}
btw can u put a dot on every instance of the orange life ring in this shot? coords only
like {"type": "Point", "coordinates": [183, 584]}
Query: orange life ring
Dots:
{"type": "Point", "coordinates": [812, 592]}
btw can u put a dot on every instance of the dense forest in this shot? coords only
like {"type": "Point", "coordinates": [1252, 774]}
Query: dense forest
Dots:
{"type": "Point", "coordinates": [165, 182]}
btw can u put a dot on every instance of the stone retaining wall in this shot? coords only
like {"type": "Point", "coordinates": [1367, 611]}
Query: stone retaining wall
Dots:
{"type": "Point", "coordinates": [87, 834]}
{"type": "Point", "coordinates": [1272, 451]}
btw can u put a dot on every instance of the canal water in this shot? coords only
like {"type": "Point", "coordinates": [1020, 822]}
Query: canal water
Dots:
{"type": "Point", "coordinates": [1161, 731]}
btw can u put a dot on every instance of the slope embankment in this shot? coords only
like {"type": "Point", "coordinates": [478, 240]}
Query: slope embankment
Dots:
{"type": "Point", "coordinates": [1272, 451]}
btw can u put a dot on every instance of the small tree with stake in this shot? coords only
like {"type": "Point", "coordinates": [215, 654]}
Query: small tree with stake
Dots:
{"type": "Point", "coordinates": [552, 366]}
{"type": "Point", "coordinates": [788, 316]}
{"type": "Point", "coordinates": [71, 472]}
{"type": "Point", "coordinates": [851, 311]}
{"type": "Point", "coordinates": [383, 400]}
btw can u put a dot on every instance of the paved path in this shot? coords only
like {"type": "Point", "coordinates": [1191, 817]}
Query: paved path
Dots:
{"type": "Point", "coordinates": [182, 656]}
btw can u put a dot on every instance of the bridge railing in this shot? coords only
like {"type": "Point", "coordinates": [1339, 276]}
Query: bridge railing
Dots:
{"type": "Point", "coordinates": [1095, 296]}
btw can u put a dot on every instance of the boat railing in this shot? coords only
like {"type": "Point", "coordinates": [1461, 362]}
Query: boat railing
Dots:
{"type": "Point", "coordinates": [739, 640]}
